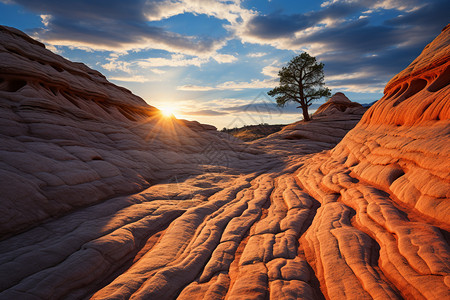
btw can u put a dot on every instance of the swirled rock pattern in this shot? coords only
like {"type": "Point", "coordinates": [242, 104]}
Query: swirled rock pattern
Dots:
{"type": "Point", "coordinates": [384, 191]}
{"type": "Point", "coordinates": [102, 198]}
{"type": "Point", "coordinates": [69, 138]}
{"type": "Point", "coordinates": [339, 103]}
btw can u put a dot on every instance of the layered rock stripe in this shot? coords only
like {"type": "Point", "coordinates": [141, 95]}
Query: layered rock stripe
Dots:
{"type": "Point", "coordinates": [103, 198]}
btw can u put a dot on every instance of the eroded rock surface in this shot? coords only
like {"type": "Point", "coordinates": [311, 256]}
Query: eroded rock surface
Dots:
{"type": "Point", "coordinates": [384, 192]}
{"type": "Point", "coordinates": [69, 138]}
{"type": "Point", "coordinates": [339, 103]}
{"type": "Point", "coordinates": [329, 124]}
{"type": "Point", "coordinates": [105, 199]}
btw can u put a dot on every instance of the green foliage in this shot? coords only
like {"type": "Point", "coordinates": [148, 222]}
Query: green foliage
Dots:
{"type": "Point", "coordinates": [301, 81]}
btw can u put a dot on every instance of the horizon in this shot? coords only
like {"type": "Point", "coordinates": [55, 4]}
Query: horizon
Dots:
{"type": "Point", "coordinates": [218, 69]}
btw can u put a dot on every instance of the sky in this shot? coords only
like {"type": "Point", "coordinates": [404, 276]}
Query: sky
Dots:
{"type": "Point", "coordinates": [215, 61]}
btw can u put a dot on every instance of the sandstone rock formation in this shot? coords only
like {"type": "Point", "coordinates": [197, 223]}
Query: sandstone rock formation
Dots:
{"type": "Point", "coordinates": [328, 126]}
{"type": "Point", "coordinates": [103, 198]}
{"type": "Point", "coordinates": [384, 191]}
{"type": "Point", "coordinates": [69, 138]}
{"type": "Point", "coordinates": [339, 103]}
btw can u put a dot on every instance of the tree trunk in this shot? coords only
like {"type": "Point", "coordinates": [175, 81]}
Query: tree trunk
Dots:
{"type": "Point", "coordinates": [305, 113]}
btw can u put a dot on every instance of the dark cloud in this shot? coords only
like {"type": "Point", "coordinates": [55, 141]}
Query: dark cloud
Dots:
{"type": "Point", "coordinates": [354, 37]}
{"type": "Point", "coordinates": [277, 25]}
{"type": "Point", "coordinates": [88, 10]}
{"type": "Point", "coordinates": [432, 15]}
{"type": "Point", "coordinates": [109, 24]}
{"type": "Point", "coordinates": [379, 45]}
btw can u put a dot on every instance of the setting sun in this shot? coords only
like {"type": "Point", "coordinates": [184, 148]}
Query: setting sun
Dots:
{"type": "Point", "coordinates": [167, 111]}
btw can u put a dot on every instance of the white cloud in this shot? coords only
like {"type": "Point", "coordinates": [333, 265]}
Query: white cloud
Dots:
{"type": "Point", "coordinates": [256, 54]}
{"type": "Point", "coordinates": [338, 82]}
{"type": "Point", "coordinates": [176, 60]}
{"type": "Point", "coordinates": [232, 11]}
{"type": "Point", "coordinates": [358, 88]}
{"type": "Point", "coordinates": [173, 43]}
{"type": "Point", "coordinates": [135, 78]}
{"type": "Point", "coordinates": [253, 84]}
{"type": "Point", "coordinates": [347, 76]}
{"type": "Point", "coordinates": [330, 2]}
{"type": "Point", "coordinates": [233, 85]}
{"type": "Point", "coordinates": [227, 102]}
{"type": "Point", "coordinates": [402, 5]}
{"type": "Point", "coordinates": [45, 19]}
{"type": "Point", "coordinates": [224, 58]}
{"type": "Point", "coordinates": [53, 49]}
{"type": "Point", "coordinates": [272, 69]}
{"type": "Point", "coordinates": [157, 71]}
{"type": "Point", "coordinates": [114, 65]}
{"type": "Point", "coordinates": [191, 88]}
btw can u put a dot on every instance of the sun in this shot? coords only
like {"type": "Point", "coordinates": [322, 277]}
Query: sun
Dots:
{"type": "Point", "coordinates": [167, 111]}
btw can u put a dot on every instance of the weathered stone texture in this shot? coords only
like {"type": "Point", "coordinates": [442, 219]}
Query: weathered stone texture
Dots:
{"type": "Point", "coordinates": [103, 198]}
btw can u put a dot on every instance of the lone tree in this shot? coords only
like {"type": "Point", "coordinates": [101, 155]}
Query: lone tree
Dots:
{"type": "Point", "coordinates": [301, 81]}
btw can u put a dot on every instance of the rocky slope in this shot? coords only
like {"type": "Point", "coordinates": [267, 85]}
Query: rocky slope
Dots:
{"type": "Point", "coordinates": [329, 124]}
{"type": "Point", "coordinates": [384, 192]}
{"type": "Point", "coordinates": [339, 103]}
{"type": "Point", "coordinates": [106, 199]}
{"type": "Point", "coordinates": [253, 132]}
{"type": "Point", "coordinates": [69, 138]}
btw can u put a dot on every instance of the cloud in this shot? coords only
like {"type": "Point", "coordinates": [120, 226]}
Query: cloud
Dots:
{"type": "Point", "coordinates": [381, 43]}
{"type": "Point", "coordinates": [204, 112]}
{"type": "Point", "coordinates": [118, 25]}
{"type": "Point", "coordinates": [114, 65]}
{"type": "Point", "coordinates": [268, 107]}
{"type": "Point", "coordinates": [176, 60]}
{"type": "Point", "coordinates": [152, 64]}
{"type": "Point", "coordinates": [253, 84]}
{"type": "Point", "coordinates": [278, 29]}
{"type": "Point", "coordinates": [231, 11]}
{"type": "Point", "coordinates": [271, 28]}
{"type": "Point", "coordinates": [135, 78]}
{"type": "Point", "coordinates": [272, 69]}
{"type": "Point", "coordinates": [359, 87]}
{"type": "Point", "coordinates": [191, 87]}
{"type": "Point", "coordinates": [45, 19]}
{"type": "Point", "coordinates": [257, 54]}
{"type": "Point", "coordinates": [225, 58]}
{"type": "Point", "coordinates": [375, 39]}
{"type": "Point", "coordinates": [97, 36]}
{"type": "Point", "coordinates": [401, 5]}
{"type": "Point", "coordinates": [232, 85]}
{"type": "Point", "coordinates": [157, 71]}
{"type": "Point", "coordinates": [258, 106]}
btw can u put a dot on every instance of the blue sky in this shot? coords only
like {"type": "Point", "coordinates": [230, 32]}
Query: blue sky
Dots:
{"type": "Point", "coordinates": [214, 61]}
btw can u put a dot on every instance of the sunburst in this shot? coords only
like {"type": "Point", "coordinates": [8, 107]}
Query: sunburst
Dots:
{"type": "Point", "coordinates": [167, 112]}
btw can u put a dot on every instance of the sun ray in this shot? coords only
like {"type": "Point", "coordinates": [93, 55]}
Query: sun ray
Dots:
{"type": "Point", "coordinates": [167, 111]}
